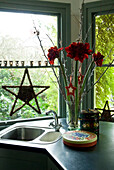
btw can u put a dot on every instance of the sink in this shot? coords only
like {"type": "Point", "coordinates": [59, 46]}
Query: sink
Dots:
{"type": "Point", "coordinates": [23, 133]}
{"type": "Point", "coordinates": [50, 137]}
{"type": "Point", "coordinates": [34, 134]}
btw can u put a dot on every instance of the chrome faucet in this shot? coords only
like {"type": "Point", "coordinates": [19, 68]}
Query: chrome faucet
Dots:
{"type": "Point", "coordinates": [56, 125]}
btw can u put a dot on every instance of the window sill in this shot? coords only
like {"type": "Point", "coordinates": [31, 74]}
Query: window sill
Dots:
{"type": "Point", "coordinates": [6, 123]}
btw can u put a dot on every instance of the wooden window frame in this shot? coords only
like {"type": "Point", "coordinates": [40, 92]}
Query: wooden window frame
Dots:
{"type": "Point", "coordinates": [62, 10]}
{"type": "Point", "coordinates": [90, 10]}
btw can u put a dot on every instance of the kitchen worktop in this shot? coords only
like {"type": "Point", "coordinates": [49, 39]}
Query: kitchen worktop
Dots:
{"type": "Point", "coordinates": [98, 157]}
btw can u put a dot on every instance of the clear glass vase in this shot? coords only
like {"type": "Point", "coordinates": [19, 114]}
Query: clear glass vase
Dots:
{"type": "Point", "coordinates": [72, 116]}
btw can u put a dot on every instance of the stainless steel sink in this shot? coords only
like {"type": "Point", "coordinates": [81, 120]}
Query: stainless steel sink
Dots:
{"type": "Point", "coordinates": [23, 133]}
{"type": "Point", "coordinates": [32, 134]}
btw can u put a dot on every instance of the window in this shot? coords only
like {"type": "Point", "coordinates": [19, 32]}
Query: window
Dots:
{"type": "Point", "coordinates": [12, 63]}
{"type": "Point", "coordinates": [20, 47]}
{"type": "Point", "coordinates": [92, 12]}
{"type": "Point", "coordinates": [104, 30]}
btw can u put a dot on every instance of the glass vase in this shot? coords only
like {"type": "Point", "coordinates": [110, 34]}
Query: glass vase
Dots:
{"type": "Point", "coordinates": [72, 116]}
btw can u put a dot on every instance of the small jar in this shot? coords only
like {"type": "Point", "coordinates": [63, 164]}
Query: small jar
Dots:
{"type": "Point", "coordinates": [90, 122]}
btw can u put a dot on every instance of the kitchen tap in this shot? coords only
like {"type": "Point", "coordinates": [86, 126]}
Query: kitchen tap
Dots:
{"type": "Point", "coordinates": [56, 125]}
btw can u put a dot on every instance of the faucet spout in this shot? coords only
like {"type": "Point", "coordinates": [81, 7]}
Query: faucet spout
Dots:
{"type": "Point", "coordinates": [56, 125]}
{"type": "Point", "coordinates": [54, 116]}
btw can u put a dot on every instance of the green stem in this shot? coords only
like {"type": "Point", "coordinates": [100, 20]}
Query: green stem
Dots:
{"type": "Point", "coordinates": [64, 76]}
{"type": "Point", "coordinates": [86, 77]}
{"type": "Point", "coordinates": [66, 84]}
{"type": "Point", "coordinates": [76, 92]}
{"type": "Point", "coordinates": [63, 72]}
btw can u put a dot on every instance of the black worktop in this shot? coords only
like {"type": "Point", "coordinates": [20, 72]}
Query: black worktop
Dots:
{"type": "Point", "coordinates": [98, 157]}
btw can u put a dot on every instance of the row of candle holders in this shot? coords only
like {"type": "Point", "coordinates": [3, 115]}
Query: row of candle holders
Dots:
{"type": "Point", "coordinates": [5, 63]}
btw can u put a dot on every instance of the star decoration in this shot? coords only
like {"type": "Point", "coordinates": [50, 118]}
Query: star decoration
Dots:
{"type": "Point", "coordinates": [26, 94]}
{"type": "Point", "coordinates": [106, 114]}
{"type": "Point", "coordinates": [70, 89]}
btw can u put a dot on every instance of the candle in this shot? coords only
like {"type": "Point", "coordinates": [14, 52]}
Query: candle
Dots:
{"type": "Point", "coordinates": [0, 63]}
{"type": "Point", "coordinates": [11, 63]}
{"type": "Point", "coordinates": [46, 63]}
{"type": "Point", "coordinates": [17, 63]}
{"type": "Point", "coordinates": [31, 63]}
{"type": "Point", "coordinates": [39, 63]}
{"type": "Point", "coordinates": [22, 62]}
{"type": "Point", "coordinates": [5, 63]}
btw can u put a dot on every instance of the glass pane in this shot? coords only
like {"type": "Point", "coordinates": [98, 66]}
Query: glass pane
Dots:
{"type": "Point", "coordinates": [48, 100]}
{"type": "Point", "coordinates": [19, 45]}
{"type": "Point", "coordinates": [18, 41]}
{"type": "Point", "coordinates": [105, 87]}
{"type": "Point", "coordinates": [104, 34]}
{"type": "Point", "coordinates": [105, 44]}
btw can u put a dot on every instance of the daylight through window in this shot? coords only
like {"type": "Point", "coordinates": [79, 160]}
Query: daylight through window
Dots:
{"type": "Point", "coordinates": [104, 32]}
{"type": "Point", "coordinates": [19, 48]}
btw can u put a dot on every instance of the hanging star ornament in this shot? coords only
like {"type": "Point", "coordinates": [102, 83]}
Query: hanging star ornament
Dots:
{"type": "Point", "coordinates": [70, 89]}
{"type": "Point", "coordinates": [26, 94]}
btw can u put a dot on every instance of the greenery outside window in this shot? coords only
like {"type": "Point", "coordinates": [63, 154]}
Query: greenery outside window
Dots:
{"type": "Point", "coordinates": [93, 14]}
{"type": "Point", "coordinates": [104, 90]}
{"type": "Point", "coordinates": [62, 14]}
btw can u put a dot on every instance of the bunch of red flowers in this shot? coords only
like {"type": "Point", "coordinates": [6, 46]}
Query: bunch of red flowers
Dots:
{"type": "Point", "coordinates": [77, 51]}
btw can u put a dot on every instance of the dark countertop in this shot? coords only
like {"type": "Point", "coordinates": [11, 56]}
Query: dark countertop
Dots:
{"type": "Point", "coordinates": [98, 157]}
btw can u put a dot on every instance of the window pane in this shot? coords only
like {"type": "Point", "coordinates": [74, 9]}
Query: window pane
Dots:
{"type": "Point", "coordinates": [18, 41]}
{"type": "Point", "coordinates": [105, 36]}
{"type": "Point", "coordinates": [48, 100]}
{"type": "Point", "coordinates": [105, 44]}
{"type": "Point", "coordinates": [105, 87]}
{"type": "Point", "coordinates": [19, 44]}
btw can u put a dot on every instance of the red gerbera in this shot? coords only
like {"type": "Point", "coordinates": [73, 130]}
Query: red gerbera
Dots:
{"type": "Point", "coordinates": [53, 53]}
{"type": "Point", "coordinates": [78, 51]}
{"type": "Point", "coordinates": [98, 59]}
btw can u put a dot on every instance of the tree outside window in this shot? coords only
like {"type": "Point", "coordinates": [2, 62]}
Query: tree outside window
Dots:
{"type": "Point", "coordinates": [19, 43]}
{"type": "Point", "coordinates": [104, 35]}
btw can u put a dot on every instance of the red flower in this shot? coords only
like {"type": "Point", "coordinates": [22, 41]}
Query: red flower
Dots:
{"type": "Point", "coordinates": [53, 53]}
{"type": "Point", "coordinates": [98, 59]}
{"type": "Point", "coordinates": [80, 78]}
{"type": "Point", "coordinates": [78, 51]}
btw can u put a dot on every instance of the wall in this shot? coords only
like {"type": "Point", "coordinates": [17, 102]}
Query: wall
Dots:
{"type": "Point", "coordinates": [75, 14]}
